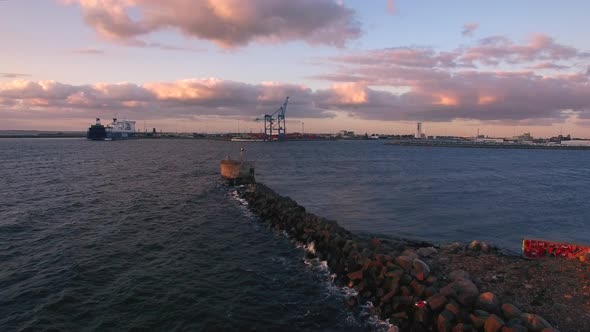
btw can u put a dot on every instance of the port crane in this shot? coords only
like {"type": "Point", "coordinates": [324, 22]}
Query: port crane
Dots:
{"type": "Point", "coordinates": [275, 122]}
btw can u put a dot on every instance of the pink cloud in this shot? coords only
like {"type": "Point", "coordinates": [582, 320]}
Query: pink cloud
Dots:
{"type": "Point", "coordinates": [227, 23]}
{"type": "Point", "coordinates": [13, 75]}
{"type": "Point", "coordinates": [498, 49]}
{"type": "Point", "coordinates": [548, 65]}
{"type": "Point", "coordinates": [422, 84]}
{"type": "Point", "coordinates": [469, 29]}
{"type": "Point", "coordinates": [391, 8]}
{"type": "Point", "coordinates": [89, 50]}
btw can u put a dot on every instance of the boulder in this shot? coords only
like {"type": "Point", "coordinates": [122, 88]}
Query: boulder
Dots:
{"type": "Point", "coordinates": [454, 247]}
{"type": "Point", "coordinates": [420, 270]}
{"type": "Point", "coordinates": [423, 316]}
{"type": "Point", "coordinates": [510, 311]}
{"type": "Point", "coordinates": [417, 287]}
{"type": "Point", "coordinates": [410, 253]}
{"type": "Point", "coordinates": [517, 328]}
{"type": "Point", "coordinates": [427, 252]}
{"type": "Point", "coordinates": [453, 307]}
{"type": "Point", "coordinates": [445, 321]}
{"type": "Point", "coordinates": [493, 324]}
{"type": "Point", "coordinates": [478, 318]}
{"type": "Point", "coordinates": [462, 327]}
{"type": "Point", "coordinates": [437, 302]}
{"type": "Point", "coordinates": [488, 301]}
{"type": "Point", "coordinates": [474, 245]}
{"type": "Point", "coordinates": [463, 290]}
{"type": "Point", "coordinates": [458, 274]}
{"type": "Point", "coordinates": [404, 262]}
{"type": "Point", "coordinates": [534, 322]}
{"type": "Point", "coordinates": [585, 257]}
{"type": "Point", "coordinates": [515, 322]}
{"type": "Point", "coordinates": [358, 275]}
{"type": "Point", "coordinates": [431, 280]}
{"type": "Point", "coordinates": [387, 297]}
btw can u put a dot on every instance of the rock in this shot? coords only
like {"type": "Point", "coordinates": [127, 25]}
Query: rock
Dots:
{"type": "Point", "coordinates": [404, 262]}
{"type": "Point", "coordinates": [534, 322]}
{"type": "Point", "coordinates": [387, 297]}
{"type": "Point", "coordinates": [461, 327]}
{"type": "Point", "coordinates": [478, 318]}
{"type": "Point", "coordinates": [515, 322]}
{"type": "Point", "coordinates": [427, 252]}
{"type": "Point", "coordinates": [420, 270]}
{"type": "Point", "coordinates": [485, 247]}
{"type": "Point", "coordinates": [510, 311]}
{"type": "Point", "coordinates": [458, 274]}
{"type": "Point", "coordinates": [405, 290]}
{"type": "Point", "coordinates": [549, 329]}
{"type": "Point", "coordinates": [417, 287]}
{"type": "Point", "coordinates": [488, 301]}
{"type": "Point", "coordinates": [358, 275]}
{"type": "Point", "coordinates": [395, 272]}
{"type": "Point", "coordinates": [423, 316]}
{"type": "Point", "coordinates": [445, 321]}
{"type": "Point", "coordinates": [454, 247]}
{"type": "Point", "coordinates": [463, 290]}
{"type": "Point", "coordinates": [585, 257]}
{"type": "Point", "coordinates": [453, 307]}
{"type": "Point", "coordinates": [402, 302]}
{"type": "Point", "coordinates": [516, 328]}
{"type": "Point", "coordinates": [474, 245]}
{"type": "Point", "coordinates": [431, 280]}
{"type": "Point", "coordinates": [429, 291]}
{"type": "Point", "coordinates": [493, 324]}
{"type": "Point", "coordinates": [410, 253]}
{"type": "Point", "coordinates": [391, 284]}
{"type": "Point", "coordinates": [400, 315]}
{"type": "Point", "coordinates": [406, 279]}
{"type": "Point", "coordinates": [437, 302]}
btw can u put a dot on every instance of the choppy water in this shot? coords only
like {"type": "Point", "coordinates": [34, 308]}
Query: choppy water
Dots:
{"type": "Point", "coordinates": [139, 234]}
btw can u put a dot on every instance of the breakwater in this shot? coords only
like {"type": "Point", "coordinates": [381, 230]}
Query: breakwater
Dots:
{"type": "Point", "coordinates": [405, 281]}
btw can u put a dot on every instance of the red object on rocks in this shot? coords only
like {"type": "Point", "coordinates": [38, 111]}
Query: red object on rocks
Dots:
{"type": "Point", "coordinates": [421, 304]}
{"type": "Point", "coordinates": [541, 248]}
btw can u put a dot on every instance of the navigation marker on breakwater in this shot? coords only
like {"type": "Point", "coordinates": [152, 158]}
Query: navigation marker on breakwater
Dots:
{"type": "Point", "coordinates": [238, 171]}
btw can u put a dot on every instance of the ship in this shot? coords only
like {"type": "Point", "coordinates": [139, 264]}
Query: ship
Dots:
{"type": "Point", "coordinates": [116, 130]}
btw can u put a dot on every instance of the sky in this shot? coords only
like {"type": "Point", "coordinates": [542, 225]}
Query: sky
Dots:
{"type": "Point", "coordinates": [375, 66]}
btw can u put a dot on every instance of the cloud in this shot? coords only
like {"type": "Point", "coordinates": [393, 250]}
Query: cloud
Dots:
{"type": "Point", "coordinates": [548, 65]}
{"type": "Point", "coordinates": [13, 75]}
{"type": "Point", "coordinates": [391, 8]}
{"type": "Point", "coordinates": [497, 49]}
{"type": "Point", "coordinates": [469, 29]}
{"type": "Point", "coordinates": [401, 83]}
{"type": "Point", "coordinates": [466, 83]}
{"type": "Point", "coordinates": [88, 50]}
{"type": "Point", "coordinates": [184, 98]}
{"type": "Point", "coordinates": [227, 23]}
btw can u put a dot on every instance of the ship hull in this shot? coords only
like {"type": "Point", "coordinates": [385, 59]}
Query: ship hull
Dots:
{"type": "Point", "coordinates": [119, 136]}
{"type": "Point", "coordinates": [96, 133]}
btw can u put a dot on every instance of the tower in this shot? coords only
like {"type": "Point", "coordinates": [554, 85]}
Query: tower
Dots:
{"type": "Point", "coordinates": [419, 130]}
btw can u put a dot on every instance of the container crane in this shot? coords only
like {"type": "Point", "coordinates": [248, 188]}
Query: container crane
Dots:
{"type": "Point", "coordinates": [275, 122]}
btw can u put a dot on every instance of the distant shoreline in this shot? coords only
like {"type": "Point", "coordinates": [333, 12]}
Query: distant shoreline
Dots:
{"type": "Point", "coordinates": [487, 145]}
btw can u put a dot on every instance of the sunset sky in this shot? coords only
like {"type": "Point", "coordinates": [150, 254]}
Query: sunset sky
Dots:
{"type": "Point", "coordinates": [373, 66]}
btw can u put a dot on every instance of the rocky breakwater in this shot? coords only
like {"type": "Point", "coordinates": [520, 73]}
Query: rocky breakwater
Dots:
{"type": "Point", "coordinates": [407, 282]}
